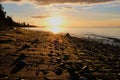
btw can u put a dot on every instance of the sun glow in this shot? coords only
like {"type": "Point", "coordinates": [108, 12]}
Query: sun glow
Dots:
{"type": "Point", "coordinates": [55, 29]}
{"type": "Point", "coordinates": [55, 22]}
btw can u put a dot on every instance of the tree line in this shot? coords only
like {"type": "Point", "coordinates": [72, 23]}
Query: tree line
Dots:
{"type": "Point", "coordinates": [7, 22]}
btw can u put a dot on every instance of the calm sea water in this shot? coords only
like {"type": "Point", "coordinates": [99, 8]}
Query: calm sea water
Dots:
{"type": "Point", "coordinates": [108, 32]}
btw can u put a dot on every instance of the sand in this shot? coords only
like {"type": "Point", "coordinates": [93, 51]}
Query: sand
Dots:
{"type": "Point", "coordinates": [39, 55]}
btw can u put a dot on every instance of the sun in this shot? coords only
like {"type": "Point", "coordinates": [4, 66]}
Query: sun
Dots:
{"type": "Point", "coordinates": [55, 22]}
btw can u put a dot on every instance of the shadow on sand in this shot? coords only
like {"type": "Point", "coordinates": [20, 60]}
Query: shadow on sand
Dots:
{"type": "Point", "coordinates": [19, 64]}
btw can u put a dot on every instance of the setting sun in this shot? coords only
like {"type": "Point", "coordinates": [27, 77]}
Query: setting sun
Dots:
{"type": "Point", "coordinates": [55, 23]}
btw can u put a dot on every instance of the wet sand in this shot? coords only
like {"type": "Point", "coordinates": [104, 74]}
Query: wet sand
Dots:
{"type": "Point", "coordinates": [38, 55]}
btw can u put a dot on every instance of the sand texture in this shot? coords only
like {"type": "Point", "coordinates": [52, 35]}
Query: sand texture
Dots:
{"type": "Point", "coordinates": [38, 55]}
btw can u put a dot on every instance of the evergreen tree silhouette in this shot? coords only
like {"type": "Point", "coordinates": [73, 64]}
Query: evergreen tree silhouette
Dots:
{"type": "Point", "coordinates": [7, 22]}
{"type": "Point", "coordinates": [2, 16]}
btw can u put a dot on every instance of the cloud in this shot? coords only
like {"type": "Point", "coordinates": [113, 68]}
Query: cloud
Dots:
{"type": "Point", "coordinates": [70, 1]}
{"type": "Point", "coordinates": [46, 2]}
{"type": "Point", "coordinates": [40, 16]}
{"type": "Point", "coordinates": [9, 0]}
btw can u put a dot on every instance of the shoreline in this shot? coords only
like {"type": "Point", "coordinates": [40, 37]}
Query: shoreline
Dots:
{"type": "Point", "coordinates": [55, 56]}
{"type": "Point", "coordinates": [96, 37]}
{"type": "Point", "coordinates": [88, 32]}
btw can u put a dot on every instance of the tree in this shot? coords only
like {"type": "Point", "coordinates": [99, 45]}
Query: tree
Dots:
{"type": "Point", "coordinates": [2, 15]}
{"type": "Point", "coordinates": [2, 12]}
{"type": "Point", "coordinates": [7, 22]}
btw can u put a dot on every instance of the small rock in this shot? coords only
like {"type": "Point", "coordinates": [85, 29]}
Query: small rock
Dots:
{"type": "Point", "coordinates": [58, 71]}
{"type": "Point", "coordinates": [26, 46]}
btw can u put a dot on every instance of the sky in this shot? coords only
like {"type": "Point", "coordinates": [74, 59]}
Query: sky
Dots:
{"type": "Point", "coordinates": [65, 13]}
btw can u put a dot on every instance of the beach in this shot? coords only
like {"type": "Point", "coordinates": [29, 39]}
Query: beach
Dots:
{"type": "Point", "coordinates": [40, 55]}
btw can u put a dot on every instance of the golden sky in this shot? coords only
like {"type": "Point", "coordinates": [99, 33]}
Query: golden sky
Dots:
{"type": "Point", "coordinates": [65, 13]}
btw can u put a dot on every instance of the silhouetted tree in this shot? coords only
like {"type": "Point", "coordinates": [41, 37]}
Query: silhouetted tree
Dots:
{"type": "Point", "coordinates": [2, 16]}
{"type": "Point", "coordinates": [2, 12]}
{"type": "Point", "coordinates": [7, 22]}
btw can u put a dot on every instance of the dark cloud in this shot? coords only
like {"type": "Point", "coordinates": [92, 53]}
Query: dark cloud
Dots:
{"type": "Point", "coordinates": [40, 16]}
{"type": "Point", "coordinates": [41, 2]}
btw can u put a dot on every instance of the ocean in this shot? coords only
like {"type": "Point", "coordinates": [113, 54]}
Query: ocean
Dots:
{"type": "Point", "coordinates": [105, 35]}
{"type": "Point", "coordinates": [100, 32]}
